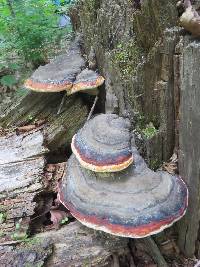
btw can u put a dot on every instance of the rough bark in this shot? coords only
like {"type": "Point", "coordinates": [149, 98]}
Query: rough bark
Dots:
{"type": "Point", "coordinates": [189, 139]}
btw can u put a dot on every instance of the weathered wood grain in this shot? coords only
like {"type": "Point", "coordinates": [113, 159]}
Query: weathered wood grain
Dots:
{"type": "Point", "coordinates": [22, 165]}
{"type": "Point", "coordinates": [189, 165]}
{"type": "Point", "coordinates": [15, 148]}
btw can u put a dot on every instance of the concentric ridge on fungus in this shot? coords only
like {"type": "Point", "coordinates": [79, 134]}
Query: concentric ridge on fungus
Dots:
{"type": "Point", "coordinates": [104, 144]}
{"type": "Point", "coordinates": [135, 202]}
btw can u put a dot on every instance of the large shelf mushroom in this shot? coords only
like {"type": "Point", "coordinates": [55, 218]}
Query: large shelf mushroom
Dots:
{"type": "Point", "coordinates": [135, 202]}
{"type": "Point", "coordinates": [104, 144]}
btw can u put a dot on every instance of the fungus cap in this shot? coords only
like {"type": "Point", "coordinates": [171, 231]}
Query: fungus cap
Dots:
{"type": "Point", "coordinates": [135, 202]}
{"type": "Point", "coordinates": [87, 81]}
{"type": "Point", "coordinates": [59, 74]}
{"type": "Point", "coordinates": [104, 144]}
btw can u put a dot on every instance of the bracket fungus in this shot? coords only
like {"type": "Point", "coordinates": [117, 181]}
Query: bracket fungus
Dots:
{"type": "Point", "coordinates": [135, 202]}
{"type": "Point", "coordinates": [67, 72]}
{"type": "Point", "coordinates": [104, 144]}
{"type": "Point", "coordinates": [87, 81]}
{"type": "Point", "coordinates": [189, 17]}
{"type": "Point", "coordinates": [58, 75]}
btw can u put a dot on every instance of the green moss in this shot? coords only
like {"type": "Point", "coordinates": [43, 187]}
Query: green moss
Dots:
{"type": "Point", "coordinates": [22, 92]}
{"type": "Point", "coordinates": [127, 56]}
{"type": "Point", "coordinates": [150, 131]}
{"type": "Point", "coordinates": [140, 121]}
{"type": "Point", "coordinates": [2, 208]}
{"type": "Point", "coordinates": [154, 164]}
{"type": "Point", "coordinates": [2, 234]}
{"type": "Point", "coordinates": [33, 241]}
{"type": "Point", "coordinates": [3, 217]}
{"type": "Point", "coordinates": [17, 235]}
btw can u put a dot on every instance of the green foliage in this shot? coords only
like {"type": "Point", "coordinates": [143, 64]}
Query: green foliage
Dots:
{"type": "Point", "coordinates": [13, 66]}
{"type": "Point", "coordinates": [8, 80]}
{"type": "Point", "coordinates": [30, 28]}
{"type": "Point", "coordinates": [10, 66]}
{"type": "Point", "coordinates": [64, 221]}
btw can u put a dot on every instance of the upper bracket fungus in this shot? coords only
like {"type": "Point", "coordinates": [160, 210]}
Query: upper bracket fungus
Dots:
{"type": "Point", "coordinates": [67, 72]}
{"type": "Point", "coordinates": [135, 202]}
{"type": "Point", "coordinates": [58, 75]}
{"type": "Point", "coordinates": [189, 17]}
{"type": "Point", "coordinates": [104, 144]}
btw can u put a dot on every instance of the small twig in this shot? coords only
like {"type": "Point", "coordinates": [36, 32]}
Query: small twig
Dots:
{"type": "Point", "coordinates": [44, 213]}
{"type": "Point", "coordinates": [155, 252]}
{"type": "Point", "coordinates": [92, 109]}
{"type": "Point", "coordinates": [61, 103]}
{"type": "Point", "coordinates": [115, 261]}
{"type": "Point", "coordinates": [9, 243]}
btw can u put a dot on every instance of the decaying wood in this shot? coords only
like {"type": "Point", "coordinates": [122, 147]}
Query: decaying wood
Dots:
{"type": "Point", "coordinates": [72, 245]}
{"type": "Point", "coordinates": [22, 165]}
{"type": "Point", "coordinates": [189, 139]}
{"type": "Point", "coordinates": [29, 107]}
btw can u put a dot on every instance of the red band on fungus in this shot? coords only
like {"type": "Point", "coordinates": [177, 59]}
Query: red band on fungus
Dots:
{"type": "Point", "coordinates": [121, 230]}
{"type": "Point", "coordinates": [51, 87]}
